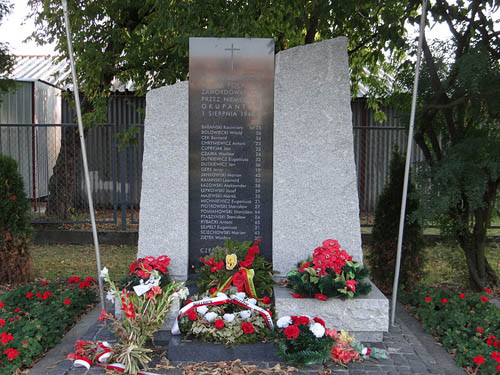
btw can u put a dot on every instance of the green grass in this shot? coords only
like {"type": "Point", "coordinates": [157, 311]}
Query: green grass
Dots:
{"type": "Point", "coordinates": [52, 262]}
{"type": "Point", "coordinates": [445, 265]}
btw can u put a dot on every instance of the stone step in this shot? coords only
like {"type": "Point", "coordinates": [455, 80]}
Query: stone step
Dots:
{"type": "Point", "coordinates": [365, 317]}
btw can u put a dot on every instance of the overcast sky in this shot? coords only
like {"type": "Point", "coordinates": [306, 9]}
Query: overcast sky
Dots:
{"type": "Point", "coordinates": [15, 29]}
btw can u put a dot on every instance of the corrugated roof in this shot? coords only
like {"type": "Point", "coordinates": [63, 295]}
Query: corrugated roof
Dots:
{"type": "Point", "coordinates": [45, 68]}
{"type": "Point", "coordinates": [40, 68]}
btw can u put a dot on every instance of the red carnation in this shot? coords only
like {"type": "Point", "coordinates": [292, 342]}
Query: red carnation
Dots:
{"type": "Point", "coordinates": [296, 295]}
{"type": "Point", "coordinates": [247, 328]}
{"type": "Point", "coordinates": [192, 314]}
{"type": "Point", "coordinates": [320, 321]}
{"type": "Point", "coordinates": [239, 281]}
{"type": "Point", "coordinates": [219, 324]}
{"type": "Point", "coordinates": [291, 332]}
{"type": "Point", "coordinates": [303, 267]}
{"type": "Point", "coordinates": [266, 300]}
{"type": "Point", "coordinates": [67, 301]}
{"type": "Point", "coordinates": [320, 296]}
{"type": "Point", "coordinates": [302, 320]}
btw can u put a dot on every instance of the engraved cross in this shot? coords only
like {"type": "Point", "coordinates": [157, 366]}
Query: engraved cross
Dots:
{"type": "Point", "coordinates": [232, 49]}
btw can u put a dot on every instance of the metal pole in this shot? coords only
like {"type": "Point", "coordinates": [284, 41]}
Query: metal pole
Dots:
{"type": "Point", "coordinates": [407, 165]}
{"type": "Point", "coordinates": [84, 151]}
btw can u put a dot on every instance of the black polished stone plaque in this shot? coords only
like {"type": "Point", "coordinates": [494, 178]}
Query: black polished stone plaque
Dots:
{"type": "Point", "coordinates": [231, 102]}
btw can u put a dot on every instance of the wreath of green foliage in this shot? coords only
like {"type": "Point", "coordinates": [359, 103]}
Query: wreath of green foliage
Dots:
{"type": "Point", "coordinates": [309, 283]}
{"type": "Point", "coordinates": [263, 277]}
{"type": "Point", "coordinates": [231, 333]}
{"type": "Point", "coordinates": [306, 349]}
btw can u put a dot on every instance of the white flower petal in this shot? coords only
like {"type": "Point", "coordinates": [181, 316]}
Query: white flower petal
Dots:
{"type": "Point", "coordinates": [222, 295]}
{"type": "Point", "coordinates": [284, 322]}
{"type": "Point", "coordinates": [104, 272]}
{"type": "Point", "coordinates": [317, 330]}
{"type": "Point", "coordinates": [241, 295]}
{"type": "Point", "coordinates": [211, 316]}
{"type": "Point", "coordinates": [245, 314]}
{"type": "Point", "coordinates": [253, 301]}
{"type": "Point", "coordinates": [228, 317]}
{"type": "Point", "coordinates": [202, 310]}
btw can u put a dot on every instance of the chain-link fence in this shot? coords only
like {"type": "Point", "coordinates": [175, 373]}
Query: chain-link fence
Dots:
{"type": "Point", "coordinates": [49, 158]}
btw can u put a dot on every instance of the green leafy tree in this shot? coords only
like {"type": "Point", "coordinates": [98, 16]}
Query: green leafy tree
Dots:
{"type": "Point", "coordinates": [6, 60]}
{"type": "Point", "coordinates": [457, 127]}
{"type": "Point", "coordinates": [147, 42]}
{"type": "Point", "coordinates": [381, 255]}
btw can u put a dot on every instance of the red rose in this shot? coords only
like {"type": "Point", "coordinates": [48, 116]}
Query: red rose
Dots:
{"type": "Point", "coordinates": [479, 359]}
{"type": "Point", "coordinates": [247, 328]}
{"type": "Point", "coordinates": [266, 300]}
{"type": "Point", "coordinates": [320, 321]}
{"type": "Point", "coordinates": [29, 294]}
{"type": "Point", "coordinates": [67, 301]}
{"type": "Point", "coordinates": [192, 314]}
{"type": "Point", "coordinates": [291, 332]}
{"type": "Point", "coordinates": [320, 296]}
{"type": "Point", "coordinates": [484, 299]}
{"type": "Point", "coordinates": [296, 295]}
{"type": "Point", "coordinates": [219, 323]}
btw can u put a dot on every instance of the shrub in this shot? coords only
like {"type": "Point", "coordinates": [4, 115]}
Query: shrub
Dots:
{"type": "Point", "coordinates": [467, 325]}
{"type": "Point", "coordinates": [33, 318]}
{"type": "Point", "coordinates": [15, 228]}
{"type": "Point", "coordinates": [381, 255]}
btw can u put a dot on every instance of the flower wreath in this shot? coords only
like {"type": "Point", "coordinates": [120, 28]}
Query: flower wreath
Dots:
{"type": "Point", "coordinates": [330, 272]}
{"type": "Point", "coordinates": [227, 320]}
{"type": "Point", "coordinates": [239, 265]}
{"type": "Point", "coordinates": [302, 340]}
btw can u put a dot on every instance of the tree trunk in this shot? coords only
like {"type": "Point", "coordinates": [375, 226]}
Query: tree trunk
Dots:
{"type": "Point", "coordinates": [62, 183]}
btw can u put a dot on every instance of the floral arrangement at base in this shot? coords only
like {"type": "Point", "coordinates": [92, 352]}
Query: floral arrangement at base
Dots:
{"type": "Point", "coordinates": [330, 272]}
{"type": "Point", "coordinates": [239, 265]}
{"type": "Point", "coordinates": [347, 349]}
{"type": "Point", "coordinates": [302, 340]}
{"type": "Point", "coordinates": [144, 311]}
{"type": "Point", "coordinates": [234, 319]}
{"type": "Point", "coordinates": [141, 269]}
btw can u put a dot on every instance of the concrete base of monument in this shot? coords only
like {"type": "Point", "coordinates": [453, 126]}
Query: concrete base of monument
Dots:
{"type": "Point", "coordinates": [183, 350]}
{"type": "Point", "coordinates": [365, 317]}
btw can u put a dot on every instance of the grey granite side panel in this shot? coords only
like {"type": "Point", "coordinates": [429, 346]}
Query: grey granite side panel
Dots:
{"type": "Point", "coordinates": [165, 168]}
{"type": "Point", "coordinates": [315, 187]}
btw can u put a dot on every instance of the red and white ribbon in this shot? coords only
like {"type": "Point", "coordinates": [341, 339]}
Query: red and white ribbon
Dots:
{"type": "Point", "coordinates": [222, 299]}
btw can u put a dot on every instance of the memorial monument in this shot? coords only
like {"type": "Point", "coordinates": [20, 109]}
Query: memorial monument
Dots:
{"type": "Point", "coordinates": [235, 172]}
